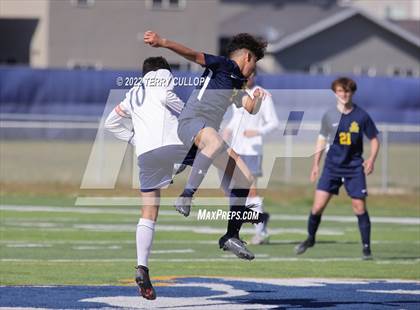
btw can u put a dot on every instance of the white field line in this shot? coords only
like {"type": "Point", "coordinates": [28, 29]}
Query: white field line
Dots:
{"type": "Point", "coordinates": [223, 259]}
{"type": "Point", "coordinates": [108, 242]}
{"type": "Point", "coordinates": [407, 292]}
{"type": "Point", "coordinates": [173, 251]}
{"type": "Point", "coordinates": [95, 247]}
{"type": "Point", "coordinates": [122, 211]}
{"type": "Point", "coordinates": [28, 245]}
{"type": "Point", "coordinates": [136, 201]}
{"type": "Point", "coordinates": [106, 228]}
{"type": "Point", "coordinates": [49, 243]}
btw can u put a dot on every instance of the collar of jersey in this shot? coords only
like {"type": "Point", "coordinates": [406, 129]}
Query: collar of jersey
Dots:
{"type": "Point", "coordinates": [237, 74]}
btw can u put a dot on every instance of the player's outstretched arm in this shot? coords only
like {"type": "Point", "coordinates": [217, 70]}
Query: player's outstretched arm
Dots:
{"type": "Point", "coordinates": [153, 39]}
{"type": "Point", "coordinates": [369, 164]}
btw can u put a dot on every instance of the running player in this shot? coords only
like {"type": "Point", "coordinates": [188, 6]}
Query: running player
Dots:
{"type": "Point", "coordinates": [246, 132]}
{"type": "Point", "coordinates": [200, 120]}
{"type": "Point", "coordinates": [343, 127]}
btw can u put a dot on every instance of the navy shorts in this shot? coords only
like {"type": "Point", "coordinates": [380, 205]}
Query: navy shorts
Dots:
{"type": "Point", "coordinates": [254, 164]}
{"type": "Point", "coordinates": [354, 182]}
{"type": "Point", "coordinates": [157, 166]}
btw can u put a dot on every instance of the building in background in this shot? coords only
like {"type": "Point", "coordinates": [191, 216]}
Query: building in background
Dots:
{"type": "Point", "coordinates": [388, 9]}
{"type": "Point", "coordinates": [369, 37]}
{"type": "Point", "coordinates": [326, 37]}
{"type": "Point", "coordinates": [101, 33]}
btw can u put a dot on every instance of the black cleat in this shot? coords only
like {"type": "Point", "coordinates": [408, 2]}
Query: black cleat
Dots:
{"type": "Point", "coordinates": [303, 246]}
{"type": "Point", "coordinates": [143, 281]}
{"type": "Point", "coordinates": [183, 205]}
{"type": "Point", "coordinates": [367, 253]}
{"type": "Point", "coordinates": [236, 246]}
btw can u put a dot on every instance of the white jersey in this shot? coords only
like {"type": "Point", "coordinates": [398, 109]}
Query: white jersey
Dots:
{"type": "Point", "coordinates": [152, 109]}
{"type": "Point", "coordinates": [264, 122]}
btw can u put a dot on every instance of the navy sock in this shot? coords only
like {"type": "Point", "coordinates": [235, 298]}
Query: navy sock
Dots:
{"type": "Point", "coordinates": [227, 176]}
{"type": "Point", "coordinates": [235, 223]}
{"type": "Point", "coordinates": [313, 224]}
{"type": "Point", "coordinates": [198, 172]}
{"type": "Point", "coordinates": [364, 227]}
{"type": "Point", "coordinates": [237, 199]}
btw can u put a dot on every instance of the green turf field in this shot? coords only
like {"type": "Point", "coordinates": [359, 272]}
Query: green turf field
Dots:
{"type": "Point", "coordinates": [66, 244]}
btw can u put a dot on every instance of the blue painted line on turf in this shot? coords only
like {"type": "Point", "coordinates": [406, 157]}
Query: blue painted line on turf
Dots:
{"type": "Point", "coordinates": [219, 293]}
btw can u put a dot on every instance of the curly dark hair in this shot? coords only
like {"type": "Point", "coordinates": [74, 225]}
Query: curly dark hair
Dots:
{"type": "Point", "coordinates": [247, 41]}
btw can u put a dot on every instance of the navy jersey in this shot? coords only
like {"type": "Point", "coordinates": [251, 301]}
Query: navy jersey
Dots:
{"type": "Point", "coordinates": [222, 86]}
{"type": "Point", "coordinates": [345, 135]}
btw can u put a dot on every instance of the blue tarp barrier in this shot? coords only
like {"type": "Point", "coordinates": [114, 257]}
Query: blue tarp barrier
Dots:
{"type": "Point", "coordinates": [84, 92]}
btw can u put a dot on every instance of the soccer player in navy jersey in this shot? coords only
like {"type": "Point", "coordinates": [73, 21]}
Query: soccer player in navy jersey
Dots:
{"type": "Point", "coordinates": [200, 120]}
{"type": "Point", "coordinates": [343, 127]}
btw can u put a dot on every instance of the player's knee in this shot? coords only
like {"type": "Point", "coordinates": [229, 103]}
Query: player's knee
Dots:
{"type": "Point", "coordinates": [214, 147]}
{"type": "Point", "coordinates": [358, 208]}
{"type": "Point", "coordinates": [317, 209]}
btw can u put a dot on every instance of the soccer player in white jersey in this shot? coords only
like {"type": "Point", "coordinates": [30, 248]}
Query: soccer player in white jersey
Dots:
{"type": "Point", "coordinates": [246, 132]}
{"type": "Point", "coordinates": [151, 109]}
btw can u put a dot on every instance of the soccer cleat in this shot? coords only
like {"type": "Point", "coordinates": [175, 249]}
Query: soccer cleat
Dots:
{"type": "Point", "coordinates": [303, 246]}
{"type": "Point", "coordinates": [183, 205]}
{"type": "Point", "coordinates": [367, 253]}
{"type": "Point", "coordinates": [143, 281]}
{"type": "Point", "coordinates": [236, 246]}
{"type": "Point", "coordinates": [260, 239]}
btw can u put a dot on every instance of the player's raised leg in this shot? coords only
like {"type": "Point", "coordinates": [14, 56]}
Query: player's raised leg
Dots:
{"type": "Point", "coordinates": [210, 144]}
{"type": "Point", "coordinates": [144, 239]}
{"type": "Point", "coordinates": [321, 200]}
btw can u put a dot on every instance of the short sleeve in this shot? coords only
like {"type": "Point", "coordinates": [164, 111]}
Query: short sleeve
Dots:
{"type": "Point", "coordinates": [214, 62]}
{"type": "Point", "coordinates": [125, 105]}
{"type": "Point", "coordinates": [166, 92]}
{"type": "Point", "coordinates": [324, 131]}
{"type": "Point", "coordinates": [165, 79]}
{"type": "Point", "coordinates": [370, 129]}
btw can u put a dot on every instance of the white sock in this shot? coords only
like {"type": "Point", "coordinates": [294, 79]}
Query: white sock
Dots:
{"type": "Point", "coordinates": [144, 238]}
{"type": "Point", "coordinates": [254, 201]}
{"type": "Point", "coordinates": [260, 228]}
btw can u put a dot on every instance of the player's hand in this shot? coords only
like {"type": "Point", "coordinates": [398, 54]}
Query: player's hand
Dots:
{"type": "Point", "coordinates": [259, 93]}
{"type": "Point", "coordinates": [314, 174]}
{"type": "Point", "coordinates": [249, 133]}
{"type": "Point", "coordinates": [153, 39]}
{"type": "Point", "coordinates": [369, 166]}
